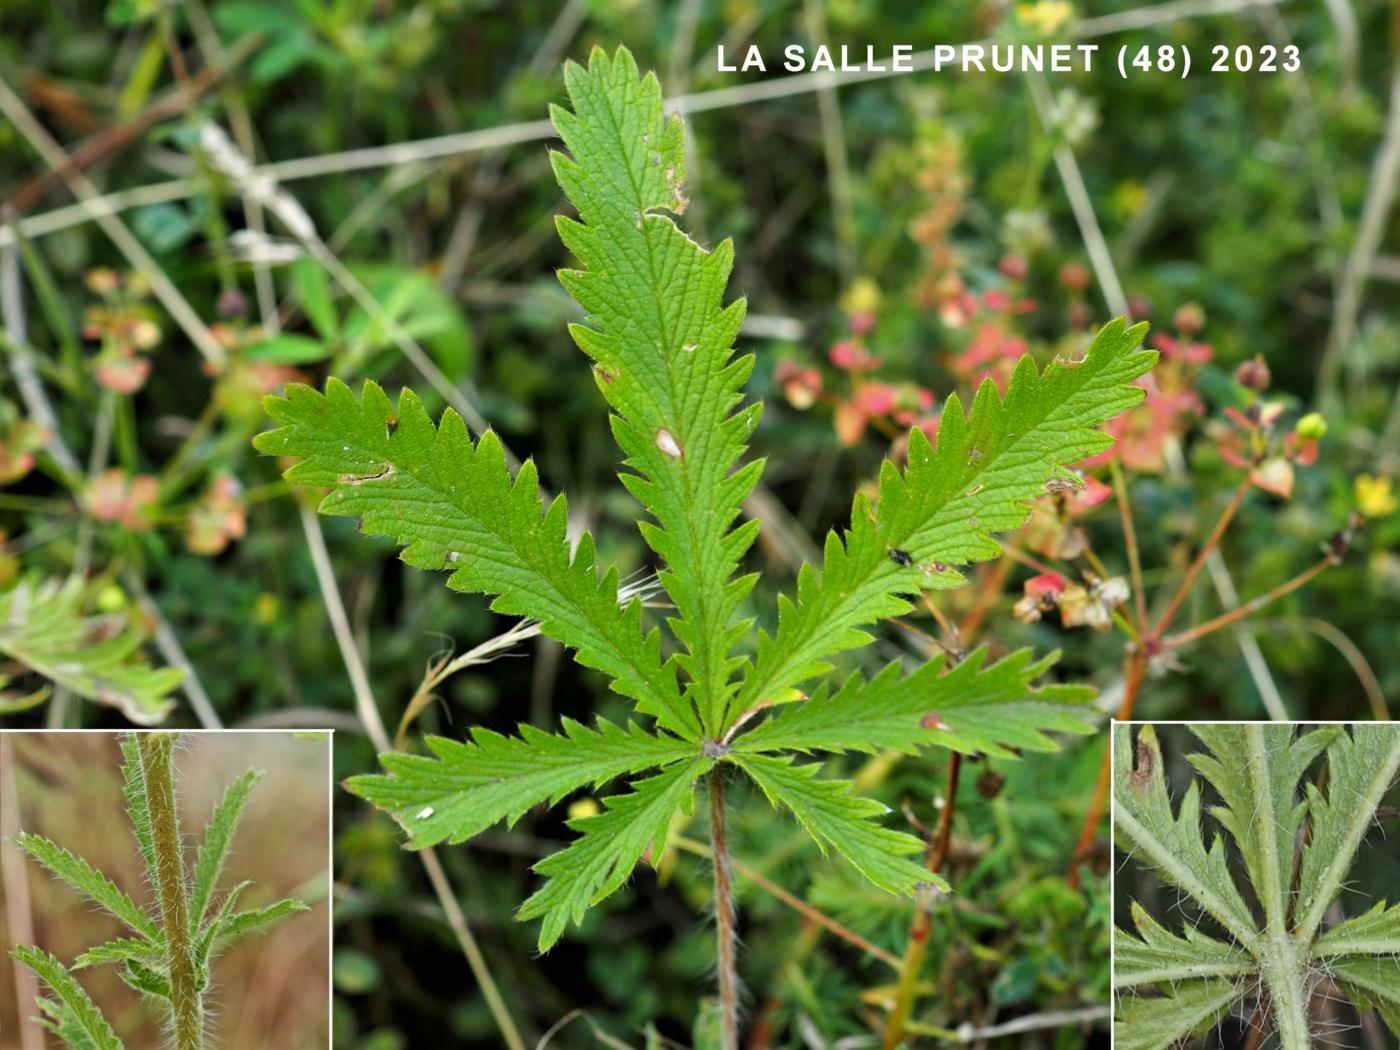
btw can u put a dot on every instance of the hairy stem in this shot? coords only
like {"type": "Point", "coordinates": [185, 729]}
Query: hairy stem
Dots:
{"type": "Point", "coordinates": [170, 889]}
{"type": "Point", "coordinates": [1288, 994]}
{"type": "Point", "coordinates": [724, 915]}
{"type": "Point", "coordinates": [917, 946]}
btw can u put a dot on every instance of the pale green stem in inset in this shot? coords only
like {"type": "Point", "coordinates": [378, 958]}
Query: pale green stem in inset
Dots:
{"type": "Point", "coordinates": [1288, 993]}
{"type": "Point", "coordinates": [170, 889]}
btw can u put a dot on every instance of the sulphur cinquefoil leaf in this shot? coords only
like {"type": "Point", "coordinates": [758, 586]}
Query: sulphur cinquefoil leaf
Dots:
{"type": "Point", "coordinates": [661, 339]}
{"type": "Point", "coordinates": [1186, 1008]}
{"type": "Point", "coordinates": [940, 512]}
{"type": "Point", "coordinates": [43, 626]}
{"type": "Point", "coordinates": [468, 787]}
{"type": "Point", "coordinates": [1371, 983]}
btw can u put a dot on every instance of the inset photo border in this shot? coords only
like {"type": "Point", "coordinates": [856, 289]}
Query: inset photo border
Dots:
{"type": "Point", "coordinates": [1255, 863]}
{"type": "Point", "coordinates": [165, 889]}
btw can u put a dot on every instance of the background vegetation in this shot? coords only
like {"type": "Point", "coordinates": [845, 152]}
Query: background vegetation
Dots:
{"type": "Point", "coordinates": [896, 236]}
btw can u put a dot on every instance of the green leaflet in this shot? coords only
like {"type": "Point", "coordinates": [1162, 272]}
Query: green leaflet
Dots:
{"type": "Point", "coordinates": [42, 626]}
{"type": "Point", "coordinates": [968, 707]}
{"type": "Point", "coordinates": [1172, 844]}
{"type": "Point", "coordinates": [452, 503]}
{"type": "Point", "coordinates": [609, 845]}
{"type": "Point", "coordinates": [838, 820]}
{"type": "Point", "coordinates": [218, 837]}
{"type": "Point", "coordinates": [470, 786]}
{"type": "Point", "coordinates": [1156, 1022]}
{"type": "Point", "coordinates": [942, 510]}
{"type": "Point", "coordinates": [1256, 769]}
{"type": "Point", "coordinates": [1361, 766]}
{"type": "Point", "coordinates": [77, 1012]}
{"type": "Point", "coordinates": [120, 950]}
{"type": "Point", "coordinates": [1376, 932]}
{"type": "Point", "coordinates": [661, 339]}
{"type": "Point", "coordinates": [1371, 983]}
{"type": "Point", "coordinates": [1157, 956]}
{"type": "Point", "coordinates": [88, 881]}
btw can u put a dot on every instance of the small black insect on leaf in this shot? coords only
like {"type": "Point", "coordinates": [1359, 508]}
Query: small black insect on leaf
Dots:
{"type": "Point", "coordinates": [900, 557]}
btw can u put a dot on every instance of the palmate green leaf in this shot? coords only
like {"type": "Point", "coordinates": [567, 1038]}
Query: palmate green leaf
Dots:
{"type": "Point", "coordinates": [468, 787]}
{"type": "Point", "coordinates": [1158, 956]}
{"type": "Point", "coordinates": [1189, 1007]}
{"type": "Point", "coordinates": [839, 820]}
{"type": "Point", "coordinates": [1361, 766]}
{"type": "Point", "coordinates": [218, 837]}
{"type": "Point", "coordinates": [77, 1008]}
{"type": "Point", "coordinates": [1256, 769]}
{"type": "Point", "coordinates": [609, 845]}
{"type": "Point", "coordinates": [1376, 932]}
{"type": "Point", "coordinates": [969, 707]}
{"type": "Point", "coordinates": [453, 504]}
{"type": "Point", "coordinates": [661, 339]}
{"type": "Point", "coordinates": [43, 627]}
{"type": "Point", "coordinates": [88, 881]}
{"type": "Point", "coordinates": [942, 510]}
{"type": "Point", "coordinates": [1172, 844]}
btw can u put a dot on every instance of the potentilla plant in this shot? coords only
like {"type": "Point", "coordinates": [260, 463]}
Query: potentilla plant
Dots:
{"type": "Point", "coordinates": [718, 698]}
{"type": "Point", "coordinates": [171, 951]}
{"type": "Point", "coordinates": [1295, 840]}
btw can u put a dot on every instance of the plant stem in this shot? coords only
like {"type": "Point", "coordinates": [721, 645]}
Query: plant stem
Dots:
{"type": "Point", "coordinates": [917, 945]}
{"type": "Point", "coordinates": [1241, 611]}
{"type": "Point", "coordinates": [724, 916]}
{"type": "Point", "coordinates": [815, 916]}
{"type": "Point", "coordinates": [170, 889]}
{"type": "Point", "coordinates": [1125, 512]}
{"type": "Point", "coordinates": [1133, 675]}
{"type": "Point", "coordinates": [1195, 568]}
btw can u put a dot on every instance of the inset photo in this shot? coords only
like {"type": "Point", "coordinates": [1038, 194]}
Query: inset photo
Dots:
{"type": "Point", "coordinates": [164, 890]}
{"type": "Point", "coordinates": [1256, 894]}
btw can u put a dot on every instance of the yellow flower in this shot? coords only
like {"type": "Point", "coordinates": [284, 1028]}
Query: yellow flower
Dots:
{"type": "Point", "coordinates": [1375, 497]}
{"type": "Point", "coordinates": [1046, 17]}
{"type": "Point", "coordinates": [862, 297]}
{"type": "Point", "coordinates": [583, 807]}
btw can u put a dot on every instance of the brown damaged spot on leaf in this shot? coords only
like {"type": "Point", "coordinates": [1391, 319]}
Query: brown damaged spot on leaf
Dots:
{"type": "Point", "coordinates": [1144, 764]}
{"type": "Point", "coordinates": [360, 479]}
